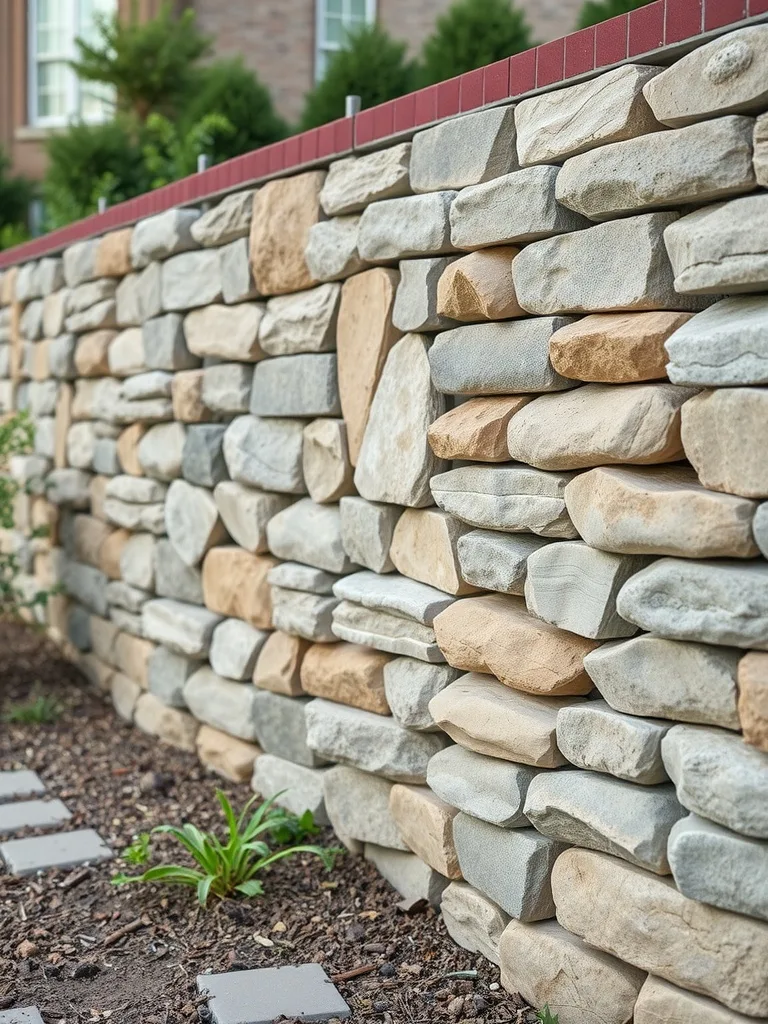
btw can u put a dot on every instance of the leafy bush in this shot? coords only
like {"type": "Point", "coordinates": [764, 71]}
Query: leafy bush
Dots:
{"type": "Point", "coordinates": [16, 194]}
{"type": "Point", "coordinates": [171, 152]}
{"type": "Point", "coordinates": [471, 34]}
{"type": "Point", "coordinates": [371, 65]}
{"type": "Point", "coordinates": [595, 11]}
{"type": "Point", "coordinates": [226, 869]}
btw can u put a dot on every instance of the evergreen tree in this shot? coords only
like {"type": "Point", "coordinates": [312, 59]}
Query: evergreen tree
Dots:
{"type": "Point", "coordinates": [595, 11]}
{"type": "Point", "coordinates": [15, 196]}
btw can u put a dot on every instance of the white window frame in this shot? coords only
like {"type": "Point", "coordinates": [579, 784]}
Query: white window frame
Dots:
{"type": "Point", "coordinates": [323, 49]}
{"type": "Point", "coordinates": [74, 89]}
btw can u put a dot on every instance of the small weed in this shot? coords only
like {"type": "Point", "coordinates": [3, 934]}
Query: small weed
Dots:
{"type": "Point", "coordinates": [546, 1016]}
{"type": "Point", "coordinates": [138, 852]}
{"type": "Point", "coordinates": [35, 711]}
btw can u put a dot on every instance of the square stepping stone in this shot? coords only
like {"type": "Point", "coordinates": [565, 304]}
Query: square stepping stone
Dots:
{"type": "Point", "coordinates": [258, 997]}
{"type": "Point", "coordinates": [32, 814]}
{"type": "Point", "coordinates": [19, 785]}
{"type": "Point", "coordinates": [61, 850]}
{"type": "Point", "coordinates": [23, 1015]}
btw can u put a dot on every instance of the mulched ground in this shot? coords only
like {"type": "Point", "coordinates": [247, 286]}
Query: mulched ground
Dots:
{"type": "Point", "coordinates": [57, 932]}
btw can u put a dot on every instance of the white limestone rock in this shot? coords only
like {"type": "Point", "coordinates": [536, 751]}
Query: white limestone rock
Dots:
{"type": "Point", "coordinates": [137, 489]}
{"type": "Point", "coordinates": [227, 388]}
{"type": "Point", "coordinates": [484, 787]}
{"type": "Point", "coordinates": [190, 280]}
{"type": "Point", "coordinates": [305, 615]}
{"type": "Point", "coordinates": [354, 182]}
{"type": "Point", "coordinates": [724, 345]}
{"type": "Point", "coordinates": [660, 1002]}
{"type": "Point", "coordinates": [396, 229]}
{"type": "Point", "coordinates": [160, 451]}
{"type": "Point", "coordinates": [246, 511]}
{"type": "Point", "coordinates": [192, 521]}
{"type": "Point", "coordinates": [396, 594]}
{"type": "Point", "coordinates": [385, 632]}
{"type": "Point", "coordinates": [131, 516]}
{"type": "Point", "coordinates": [331, 252]}
{"type": "Point", "coordinates": [237, 283]}
{"type": "Point", "coordinates": [79, 262]}
{"type": "Point", "coordinates": [139, 296]}
{"type": "Point", "coordinates": [295, 576]}
{"type": "Point", "coordinates": [137, 561]}
{"type": "Point", "coordinates": [266, 453]}
{"type": "Point", "coordinates": [158, 237]}
{"type": "Point", "coordinates": [310, 533]}
{"type": "Point", "coordinates": [409, 685]}
{"type": "Point", "coordinates": [227, 332]}
{"type": "Point", "coordinates": [367, 528]}
{"type": "Point", "coordinates": [415, 306]}
{"type": "Point", "coordinates": [152, 384]}
{"type": "Point", "coordinates": [228, 220]}
{"type": "Point", "coordinates": [464, 151]}
{"type": "Point", "coordinates": [184, 628]}
{"type": "Point", "coordinates": [222, 704]}
{"type": "Point", "coordinates": [234, 649]}
{"type": "Point", "coordinates": [302, 322]}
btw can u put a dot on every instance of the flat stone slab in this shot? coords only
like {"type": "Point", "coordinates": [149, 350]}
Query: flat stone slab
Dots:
{"type": "Point", "coordinates": [258, 997]}
{"type": "Point", "coordinates": [19, 784]}
{"type": "Point", "coordinates": [61, 850]}
{"type": "Point", "coordinates": [21, 1015]}
{"type": "Point", "coordinates": [32, 814]}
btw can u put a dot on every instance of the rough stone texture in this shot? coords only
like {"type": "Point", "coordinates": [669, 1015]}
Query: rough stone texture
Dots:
{"type": "Point", "coordinates": [718, 777]}
{"type": "Point", "coordinates": [721, 248]}
{"type": "Point", "coordinates": [472, 920]}
{"type": "Point", "coordinates": [124, 693]}
{"type": "Point", "coordinates": [753, 699]}
{"type": "Point", "coordinates": [126, 353]}
{"type": "Point", "coordinates": [723, 345]}
{"type": "Point", "coordinates": [574, 586]}
{"type": "Point", "coordinates": [369, 742]}
{"type": "Point", "coordinates": [367, 528]}
{"type": "Point", "coordinates": [295, 576]}
{"type": "Point", "coordinates": [483, 787]}
{"type": "Point", "coordinates": [645, 921]}
{"type": "Point", "coordinates": [479, 286]}
{"type": "Point", "coordinates": [385, 632]}
{"type": "Point", "coordinates": [68, 487]}
{"type": "Point", "coordinates": [192, 521]}
{"type": "Point", "coordinates": [364, 336]}
{"type": "Point", "coordinates": [495, 634]}
{"type": "Point", "coordinates": [87, 584]}
{"type": "Point", "coordinates": [424, 549]}
{"type": "Point", "coordinates": [760, 156]}
{"type": "Point", "coordinates": [550, 967]}
{"type": "Point", "coordinates": [22, 783]}
{"type": "Point", "coordinates": [79, 262]}
{"type": "Point", "coordinates": [202, 461]}
{"type": "Point", "coordinates": [81, 441]}
{"type": "Point", "coordinates": [152, 384]}
{"type": "Point", "coordinates": [278, 667]}
{"type": "Point", "coordinates": [358, 806]}
{"type": "Point", "coordinates": [167, 673]}
{"type": "Point", "coordinates": [300, 385]}
{"type": "Point", "coordinates": [190, 280]}
{"type": "Point", "coordinates": [402, 597]}
{"type": "Point", "coordinates": [426, 824]}
{"type": "Point", "coordinates": [512, 867]}
{"type": "Point", "coordinates": [113, 254]}
{"type": "Point", "coordinates": [266, 453]}
{"type": "Point", "coordinates": [91, 353]}
{"type": "Point", "coordinates": [226, 755]}
{"type": "Point", "coordinates": [226, 332]}
{"type": "Point", "coordinates": [512, 499]}
{"type": "Point", "coordinates": [722, 434]}
{"type": "Point", "coordinates": [237, 284]}
{"type": "Point", "coordinates": [719, 867]}
{"type": "Point", "coordinates": [661, 510]}
{"type": "Point", "coordinates": [483, 715]}
{"type": "Point", "coordinates": [304, 322]}
{"type": "Point", "coordinates": [325, 460]}
{"type": "Point", "coordinates": [415, 306]}
{"type": "Point", "coordinates": [496, 561]}
{"type": "Point", "coordinates": [234, 649]}
{"type": "Point", "coordinates": [581, 272]}
{"type": "Point", "coordinates": [395, 462]}
{"type": "Point", "coordinates": [284, 210]}
{"type": "Point", "coordinates": [600, 425]}
{"type": "Point", "coordinates": [464, 151]}
{"type": "Point", "coordinates": [476, 430]}
{"type": "Point", "coordinates": [246, 511]}
{"type": "Point", "coordinates": [715, 602]}
{"type": "Point", "coordinates": [331, 251]}
{"type": "Point", "coordinates": [184, 628]}
{"type": "Point", "coordinates": [160, 451]}
{"type": "Point", "coordinates": [496, 359]}
{"type": "Point", "coordinates": [139, 296]}
{"type": "Point", "coordinates": [580, 808]}
{"type": "Point", "coordinates": [173, 577]}
{"type": "Point", "coordinates": [347, 674]}
{"type": "Point", "coordinates": [310, 533]}
{"type": "Point", "coordinates": [61, 356]}
{"type": "Point", "coordinates": [32, 814]}
{"type": "Point", "coordinates": [517, 207]}
{"type": "Point", "coordinates": [227, 388]}
{"type": "Point", "coordinates": [609, 108]}
{"type": "Point", "coordinates": [724, 76]}
{"type": "Point", "coordinates": [170, 725]}
{"type": "Point", "coordinates": [406, 873]}
{"type": "Point", "coordinates": [597, 737]}
{"type": "Point", "coordinates": [235, 584]}
{"type": "Point", "coordinates": [696, 164]}
{"type": "Point", "coordinates": [165, 347]}
{"type": "Point", "coordinates": [158, 237]}
{"type": "Point", "coordinates": [282, 729]}
{"type": "Point", "coordinates": [660, 1002]}
{"type": "Point", "coordinates": [409, 685]}
{"type": "Point", "coordinates": [296, 787]}
{"type": "Point", "coordinates": [395, 229]}
{"type": "Point", "coordinates": [354, 182]}
{"type": "Point", "coordinates": [222, 704]}
{"type": "Point", "coordinates": [228, 220]}
{"type": "Point", "coordinates": [305, 615]}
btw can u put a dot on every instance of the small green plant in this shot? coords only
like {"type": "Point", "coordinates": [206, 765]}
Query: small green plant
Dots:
{"type": "Point", "coordinates": [546, 1016]}
{"type": "Point", "coordinates": [138, 852]}
{"type": "Point", "coordinates": [227, 869]}
{"type": "Point", "coordinates": [35, 711]}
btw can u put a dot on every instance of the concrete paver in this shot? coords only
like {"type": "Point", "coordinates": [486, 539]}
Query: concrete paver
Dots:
{"type": "Point", "coordinates": [258, 997]}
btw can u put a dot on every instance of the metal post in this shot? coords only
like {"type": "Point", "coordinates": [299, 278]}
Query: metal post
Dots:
{"type": "Point", "coordinates": [352, 106]}
{"type": "Point", "coordinates": [202, 163]}
{"type": "Point", "coordinates": [102, 204]}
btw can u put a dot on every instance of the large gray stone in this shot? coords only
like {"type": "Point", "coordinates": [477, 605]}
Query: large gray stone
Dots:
{"type": "Point", "coordinates": [358, 807]}
{"type": "Point", "coordinates": [415, 306]}
{"type": "Point", "coordinates": [20, 784]}
{"type": "Point", "coordinates": [299, 385]}
{"type": "Point", "coordinates": [266, 453]}
{"type": "Point", "coordinates": [165, 347]}
{"type": "Point", "coordinates": [184, 628]}
{"type": "Point", "coordinates": [202, 460]}
{"type": "Point", "coordinates": [167, 673]}
{"type": "Point", "coordinates": [192, 521]}
{"type": "Point", "coordinates": [152, 384]}
{"type": "Point", "coordinates": [409, 685]}
{"type": "Point", "coordinates": [222, 704]}
{"type": "Point", "coordinates": [354, 182]}
{"type": "Point", "coordinates": [496, 561]}
{"type": "Point", "coordinates": [302, 322]}
{"type": "Point", "coordinates": [464, 151]}
{"type": "Point", "coordinates": [79, 262]}
{"type": "Point", "coordinates": [281, 727]}
{"type": "Point", "coordinates": [331, 251]}
{"type": "Point", "coordinates": [310, 533]}
{"type": "Point", "coordinates": [156, 238]}
{"type": "Point", "coordinates": [225, 332]}
{"type": "Point", "coordinates": [472, 920]}
{"type": "Point", "coordinates": [173, 577]}
{"type": "Point", "coordinates": [497, 359]}
{"type": "Point", "coordinates": [237, 283]}
{"type": "Point", "coordinates": [139, 296]}
{"type": "Point", "coordinates": [246, 511]}
{"type": "Point", "coordinates": [61, 357]}
{"type": "Point", "coordinates": [130, 516]}
{"type": "Point", "coordinates": [295, 576]}
{"type": "Point", "coordinates": [484, 787]}
{"type": "Point", "coordinates": [294, 786]}
{"type": "Point", "coordinates": [396, 229]}
{"type": "Point", "coordinates": [87, 584]}
{"type": "Point", "coordinates": [226, 221]}
{"type": "Point", "coordinates": [366, 531]}
{"type": "Point", "coordinates": [161, 448]}
{"type": "Point", "coordinates": [399, 595]}
{"type": "Point", "coordinates": [227, 388]}
{"type": "Point", "coordinates": [305, 615]}
{"type": "Point", "coordinates": [190, 280]}
{"type": "Point", "coordinates": [719, 777]}
{"type": "Point", "coordinates": [234, 649]}
{"type": "Point", "coordinates": [407, 873]}
{"type": "Point", "coordinates": [724, 345]}
{"type": "Point", "coordinates": [122, 595]}
{"type": "Point", "coordinates": [385, 632]}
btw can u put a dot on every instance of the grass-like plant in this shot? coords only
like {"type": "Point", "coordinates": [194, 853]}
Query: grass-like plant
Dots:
{"type": "Point", "coordinates": [35, 711]}
{"type": "Point", "coordinates": [229, 868]}
{"type": "Point", "coordinates": [546, 1016]}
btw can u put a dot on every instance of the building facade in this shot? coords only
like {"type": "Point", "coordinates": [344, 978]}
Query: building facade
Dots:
{"type": "Point", "coordinates": [287, 42]}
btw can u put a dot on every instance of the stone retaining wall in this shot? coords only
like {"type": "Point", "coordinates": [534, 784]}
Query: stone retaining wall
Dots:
{"type": "Point", "coordinates": [431, 489]}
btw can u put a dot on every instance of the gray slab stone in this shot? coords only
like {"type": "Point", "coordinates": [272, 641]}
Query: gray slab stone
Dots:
{"type": "Point", "coordinates": [61, 850]}
{"type": "Point", "coordinates": [184, 628]}
{"type": "Point", "coordinates": [407, 873]}
{"type": "Point", "coordinates": [245, 512]}
{"type": "Point", "coordinates": [331, 252]}
{"type": "Point", "coordinates": [150, 518]}
{"type": "Point", "coordinates": [32, 814]}
{"type": "Point", "coordinates": [260, 996]}
{"type": "Point", "coordinates": [150, 384]}
{"type": "Point", "coordinates": [160, 236]}
{"type": "Point", "coordinates": [87, 584]}
{"type": "Point", "coordinates": [297, 385]}
{"type": "Point", "coordinates": [227, 220]}
{"type": "Point", "coordinates": [21, 1015]}
{"type": "Point", "coordinates": [203, 457]}
{"type": "Point", "coordinates": [227, 387]}
{"type": "Point", "coordinates": [222, 703]}
{"type": "Point", "coordinates": [304, 322]}
{"type": "Point", "coordinates": [61, 356]}
{"type": "Point", "coordinates": [464, 151]}
{"type": "Point", "coordinates": [19, 785]}
{"type": "Point", "coordinates": [759, 528]}
{"type": "Point", "coordinates": [496, 561]}
{"type": "Point", "coordinates": [396, 229]}
{"type": "Point", "coordinates": [358, 807]}
{"type": "Point", "coordinates": [396, 594]}
{"type": "Point", "coordinates": [385, 632]}
{"type": "Point", "coordinates": [309, 533]}
{"type": "Point", "coordinates": [192, 521]}
{"type": "Point", "coordinates": [266, 453]}
{"type": "Point", "coordinates": [415, 307]}
{"type": "Point", "coordinates": [306, 615]}
{"type": "Point", "coordinates": [165, 347]}
{"type": "Point", "coordinates": [136, 489]}
{"type": "Point", "coordinates": [297, 788]}
{"type": "Point", "coordinates": [123, 595]}
{"type": "Point", "coordinates": [295, 576]}
{"type": "Point", "coordinates": [161, 449]}
{"type": "Point", "coordinates": [726, 344]}
{"type": "Point", "coordinates": [237, 283]}
{"type": "Point", "coordinates": [356, 181]}
{"type": "Point", "coordinates": [190, 280]}
{"type": "Point", "coordinates": [484, 787]}
{"type": "Point", "coordinates": [128, 622]}
{"type": "Point", "coordinates": [366, 531]}
{"type": "Point", "coordinates": [105, 458]}
{"type": "Point", "coordinates": [79, 261]}
{"type": "Point", "coordinates": [234, 649]}
{"type": "Point", "coordinates": [281, 727]}
{"type": "Point", "coordinates": [173, 577]}
{"type": "Point", "coordinates": [472, 920]}
{"type": "Point", "coordinates": [409, 685]}
{"type": "Point", "coordinates": [167, 673]}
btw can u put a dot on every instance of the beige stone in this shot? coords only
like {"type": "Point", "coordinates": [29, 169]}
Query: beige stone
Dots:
{"type": "Point", "coordinates": [97, 672]}
{"type": "Point", "coordinates": [113, 254]}
{"type": "Point", "coordinates": [235, 584]}
{"type": "Point", "coordinates": [348, 674]}
{"type": "Point", "coordinates": [92, 353]}
{"type": "Point", "coordinates": [128, 448]}
{"type": "Point", "coordinates": [660, 510]}
{"type": "Point", "coordinates": [103, 635]}
{"type": "Point", "coordinates": [284, 210]}
{"type": "Point", "coordinates": [325, 460]}
{"type": "Point", "coordinates": [424, 549]}
{"type": "Point", "coordinates": [495, 633]}
{"type": "Point", "coordinates": [364, 336]}
{"type": "Point", "coordinates": [643, 920]}
{"type": "Point", "coordinates": [662, 1003]}
{"type": "Point", "coordinates": [725, 434]}
{"type": "Point", "coordinates": [187, 397]}
{"type": "Point", "coordinates": [473, 921]}
{"type": "Point", "coordinates": [125, 694]}
{"type": "Point", "coordinates": [480, 286]}
{"type": "Point", "coordinates": [615, 348]}
{"type": "Point", "coordinates": [41, 363]}
{"type": "Point", "coordinates": [278, 667]}
{"type": "Point", "coordinates": [477, 429]}
{"type": "Point", "coordinates": [752, 675]}
{"type": "Point", "coordinates": [173, 726]}
{"type": "Point", "coordinates": [62, 423]}
{"type": "Point", "coordinates": [111, 551]}
{"type": "Point", "coordinates": [550, 967]}
{"type": "Point", "coordinates": [426, 824]}
{"type": "Point", "coordinates": [225, 332]}
{"type": "Point", "coordinates": [760, 158]}
{"type": "Point", "coordinates": [88, 535]}
{"type": "Point", "coordinates": [600, 424]}
{"type": "Point", "coordinates": [131, 655]}
{"type": "Point", "coordinates": [98, 491]}
{"type": "Point", "coordinates": [483, 715]}
{"type": "Point", "coordinates": [226, 755]}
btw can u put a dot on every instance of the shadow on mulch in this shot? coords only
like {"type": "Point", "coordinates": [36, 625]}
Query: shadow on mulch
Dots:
{"type": "Point", "coordinates": [115, 779]}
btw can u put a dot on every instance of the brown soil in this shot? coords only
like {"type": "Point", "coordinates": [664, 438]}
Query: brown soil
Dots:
{"type": "Point", "coordinates": [53, 929]}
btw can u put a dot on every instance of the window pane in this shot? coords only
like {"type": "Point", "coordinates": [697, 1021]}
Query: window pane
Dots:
{"type": "Point", "coordinates": [87, 13]}
{"type": "Point", "coordinates": [333, 7]}
{"type": "Point", "coordinates": [334, 32]}
{"type": "Point", "coordinates": [52, 89]}
{"type": "Point", "coordinates": [358, 10]}
{"type": "Point", "coordinates": [52, 28]}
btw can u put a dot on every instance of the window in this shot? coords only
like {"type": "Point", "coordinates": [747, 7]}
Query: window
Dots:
{"type": "Point", "coordinates": [55, 94]}
{"type": "Point", "coordinates": [334, 19]}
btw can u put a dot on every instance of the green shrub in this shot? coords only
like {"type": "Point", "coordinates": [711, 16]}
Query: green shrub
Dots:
{"type": "Point", "coordinates": [16, 194]}
{"type": "Point", "coordinates": [595, 11]}
{"type": "Point", "coordinates": [471, 34]}
{"type": "Point", "coordinates": [371, 65]}
{"type": "Point", "coordinates": [35, 711]}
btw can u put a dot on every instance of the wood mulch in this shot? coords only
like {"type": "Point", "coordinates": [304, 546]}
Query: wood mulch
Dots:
{"type": "Point", "coordinates": [84, 950]}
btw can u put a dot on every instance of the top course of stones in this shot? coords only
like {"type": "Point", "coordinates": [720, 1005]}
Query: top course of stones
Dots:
{"type": "Point", "coordinates": [656, 33]}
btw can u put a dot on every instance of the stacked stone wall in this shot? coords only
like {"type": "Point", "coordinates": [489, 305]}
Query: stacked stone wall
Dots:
{"type": "Point", "coordinates": [431, 488]}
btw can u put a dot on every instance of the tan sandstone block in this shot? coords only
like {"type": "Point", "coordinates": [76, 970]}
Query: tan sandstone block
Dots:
{"type": "Point", "coordinates": [480, 286]}
{"type": "Point", "coordinates": [110, 552]}
{"type": "Point", "coordinates": [41, 367]}
{"type": "Point", "coordinates": [325, 460]}
{"type": "Point", "coordinates": [752, 676]}
{"type": "Point", "coordinates": [173, 726]}
{"type": "Point", "coordinates": [91, 353]}
{"type": "Point", "coordinates": [88, 535]}
{"type": "Point", "coordinates": [496, 634]}
{"type": "Point", "coordinates": [348, 674]}
{"type": "Point", "coordinates": [426, 824]}
{"type": "Point", "coordinates": [364, 336]}
{"type": "Point", "coordinates": [226, 755]}
{"type": "Point", "coordinates": [187, 397]}
{"type": "Point", "coordinates": [128, 448]}
{"type": "Point", "coordinates": [615, 348]}
{"type": "Point", "coordinates": [235, 584]}
{"type": "Point", "coordinates": [476, 430]}
{"type": "Point", "coordinates": [278, 667]}
{"type": "Point", "coordinates": [131, 656]}
{"type": "Point", "coordinates": [662, 1003]}
{"type": "Point", "coordinates": [424, 548]}
{"type": "Point", "coordinates": [113, 254]}
{"type": "Point", "coordinates": [284, 210]}
{"type": "Point", "coordinates": [96, 671]}
{"type": "Point", "coordinates": [725, 435]}
{"type": "Point", "coordinates": [98, 492]}
{"type": "Point", "coordinates": [63, 421]}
